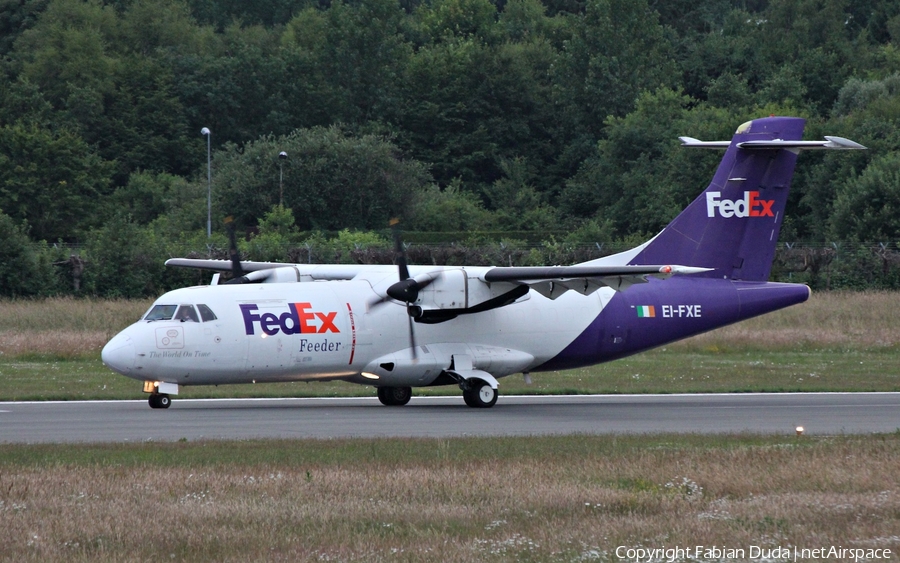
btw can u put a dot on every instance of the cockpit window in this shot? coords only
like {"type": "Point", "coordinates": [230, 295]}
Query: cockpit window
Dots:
{"type": "Point", "coordinates": [206, 313]}
{"type": "Point", "coordinates": [160, 313]}
{"type": "Point", "coordinates": [187, 313]}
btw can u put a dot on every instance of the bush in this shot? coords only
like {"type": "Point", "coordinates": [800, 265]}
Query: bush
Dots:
{"type": "Point", "coordinates": [25, 269]}
{"type": "Point", "coordinates": [124, 259]}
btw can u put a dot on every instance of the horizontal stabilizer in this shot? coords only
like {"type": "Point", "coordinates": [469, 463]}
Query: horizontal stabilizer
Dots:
{"type": "Point", "coordinates": [833, 143]}
{"type": "Point", "coordinates": [698, 144]}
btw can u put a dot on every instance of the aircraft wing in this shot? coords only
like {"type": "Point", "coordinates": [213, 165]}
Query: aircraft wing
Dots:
{"type": "Point", "coordinates": [553, 281]}
{"type": "Point", "coordinates": [220, 265]}
{"type": "Point", "coordinates": [314, 271]}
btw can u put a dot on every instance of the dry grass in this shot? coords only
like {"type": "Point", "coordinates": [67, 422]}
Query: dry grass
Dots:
{"type": "Point", "coordinates": [829, 319]}
{"type": "Point", "coordinates": [66, 313]}
{"type": "Point", "coordinates": [55, 343]}
{"type": "Point", "coordinates": [63, 327]}
{"type": "Point", "coordinates": [560, 499]}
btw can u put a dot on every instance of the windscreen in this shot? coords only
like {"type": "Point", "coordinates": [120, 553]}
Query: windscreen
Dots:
{"type": "Point", "coordinates": [206, 313]}
{"type": "Point", "coordinates": [187, 313]}
{"type": "Point", "coordinates": [161, 313]}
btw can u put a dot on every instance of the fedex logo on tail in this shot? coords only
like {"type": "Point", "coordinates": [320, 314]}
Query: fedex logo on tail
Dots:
{"type": "Point", "coordinates": [750, 206]}
{"type": "Point", "coordinates": [298, 319]}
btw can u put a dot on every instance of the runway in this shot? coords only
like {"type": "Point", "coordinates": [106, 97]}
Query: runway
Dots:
{"type": "Point", "coordinates": [233, 419]}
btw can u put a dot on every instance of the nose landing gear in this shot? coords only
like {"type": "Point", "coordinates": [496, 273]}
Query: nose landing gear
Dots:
{"type": "Point", "coordinates": [159, 393]}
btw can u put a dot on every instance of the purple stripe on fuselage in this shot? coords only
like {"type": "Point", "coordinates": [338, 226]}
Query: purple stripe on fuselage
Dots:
{"type": "Point", "coordinates": [649, 315]}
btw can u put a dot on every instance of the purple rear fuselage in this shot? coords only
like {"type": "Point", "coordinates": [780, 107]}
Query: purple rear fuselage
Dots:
{"type": "Point", "coordinates": [659, 312]}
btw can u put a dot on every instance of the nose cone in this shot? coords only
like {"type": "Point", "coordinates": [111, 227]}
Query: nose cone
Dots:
{"type": "Point", "coordinates": [118, 354]}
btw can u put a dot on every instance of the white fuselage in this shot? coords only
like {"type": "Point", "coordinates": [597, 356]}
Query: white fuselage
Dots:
{"type": "Point", "coordinates": [321, 330]}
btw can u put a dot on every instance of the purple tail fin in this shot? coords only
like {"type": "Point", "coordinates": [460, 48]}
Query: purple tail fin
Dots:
{"type": "Point", "coordinates": [733, 225]}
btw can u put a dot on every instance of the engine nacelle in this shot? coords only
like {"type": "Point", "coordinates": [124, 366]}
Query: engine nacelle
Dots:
{"type": "Point", "coordinates": [287, 274]}
{"type": "Point", "coordinates": [457, 289]}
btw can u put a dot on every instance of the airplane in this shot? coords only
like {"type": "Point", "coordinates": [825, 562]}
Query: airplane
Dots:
{"type": "Point", "coordinates": [402, 326]}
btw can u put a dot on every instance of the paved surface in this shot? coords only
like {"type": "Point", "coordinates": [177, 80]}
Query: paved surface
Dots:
{"type": "Point", "coordinates": [124, 421]}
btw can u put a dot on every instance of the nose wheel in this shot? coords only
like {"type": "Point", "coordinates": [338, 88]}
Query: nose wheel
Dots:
{"type": "Point", "coordinates": [159, 401]}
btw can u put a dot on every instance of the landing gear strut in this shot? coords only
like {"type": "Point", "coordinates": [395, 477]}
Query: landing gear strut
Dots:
{"type": "Point", "coordinates": [479, 394]}
{"type": "Point", "coordinates": [394, 396]}
{"type": "Point", "coordinates": [160, 401]}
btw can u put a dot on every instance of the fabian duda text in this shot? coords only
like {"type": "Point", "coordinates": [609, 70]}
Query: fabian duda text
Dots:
{"type": "Point", "coordinates": [672, 554]}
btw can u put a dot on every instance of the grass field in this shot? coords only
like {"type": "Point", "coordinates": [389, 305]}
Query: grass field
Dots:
{"type": "Point", "coordinates": [836, 342]}
{"type": "Point", "coordinates": [564, 498]}
{"type": "Point", "coordinates": [501, 499]}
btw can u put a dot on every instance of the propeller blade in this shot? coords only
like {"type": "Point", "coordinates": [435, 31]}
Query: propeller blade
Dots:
{"type": "Point", "coordinates": [378, 301]}
{"type": "Point", "coordinates": [236, 270]}
{"type": "Point", "coordinates": [407, 288]}
{"type": "Point", "coordinates": [399, 250]}
{"type": "Point", "coordinates": [412, 338]}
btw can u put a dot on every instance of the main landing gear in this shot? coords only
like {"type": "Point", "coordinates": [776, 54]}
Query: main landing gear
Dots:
{"type": "Point", "coordinates": [160, 401]}
{"type": "Point", "coordinates": [394, 396]}
{"type": "Point", "coordinates": [479, 394]}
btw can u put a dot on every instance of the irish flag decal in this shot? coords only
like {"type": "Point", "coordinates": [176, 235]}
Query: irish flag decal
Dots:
{"type": "Point", "coordinates": [646, 311]}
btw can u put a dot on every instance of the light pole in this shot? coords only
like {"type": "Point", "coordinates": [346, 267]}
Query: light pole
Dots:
{"type": "Point", "coordinates": [206, 131]}
{"type": "Point", "coordinates": [281, 156]}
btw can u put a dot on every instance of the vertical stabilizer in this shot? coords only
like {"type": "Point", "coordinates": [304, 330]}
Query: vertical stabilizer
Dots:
{"type": "Point", "coordinates": [733, 225]}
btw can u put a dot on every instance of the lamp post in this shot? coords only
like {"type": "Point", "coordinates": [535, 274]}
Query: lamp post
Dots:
{"type": "Point", "coordinates": [281, 156]}
{"type": "Point", "coordinates": [206, 131]}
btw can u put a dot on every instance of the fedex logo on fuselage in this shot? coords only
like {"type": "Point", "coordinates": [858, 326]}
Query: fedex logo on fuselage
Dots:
{"type": "Point", "coordinates": [750, 206]}
{"type": "Point", "coordinates": [296, 320]}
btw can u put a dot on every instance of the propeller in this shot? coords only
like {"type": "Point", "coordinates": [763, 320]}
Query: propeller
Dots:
{"type": "Point", "coordinates": [407, 288]}
{"type": "Point", "coordinates": [236, 271]}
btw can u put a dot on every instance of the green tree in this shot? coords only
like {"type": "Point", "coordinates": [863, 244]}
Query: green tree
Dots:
{"type": "Point", "coordinates": [23, 102]}
{"type": "Point", "coordinates": [516, 204]}
{"type": "Point", "coordinates": [124, 259]}
{"type": "Point", "coordinates": [67, 49]}
{"type": "Point", "coordinates": [332, 179]}
{"type": "Point", "coordinates": [280, 220]}
{"type": "Point", "coordinates": [240, 88]}
{"type": "Point", "coordinates": [147, 196]}
{"type": "Point", "coordinates": [51, 179]}
{"type": "Point", "coordinates": [447, 20]}
{"type": "Point", "coordinates": [867, 111]}
{"type": "Point", "coordinates": [17, 16]}
{"type": "Point", "coordinates": [640, 177]}
{"type": "Point", "coordinates": [25, 271]}
{"type": "Point", "coordinates": [350, 57]}
{"type": "Point", "coordinates": [617, 50]}
{"type": "Point", "coordinates": [867, 208]}
{"type": "Point", "coordinates": [98, 71]}
{"type": "Point", "coordinates": [469, 106]}
{"type": "Point", "coordinates": [448, 209]}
